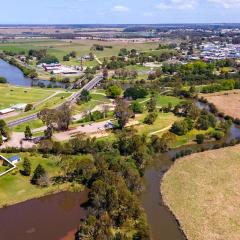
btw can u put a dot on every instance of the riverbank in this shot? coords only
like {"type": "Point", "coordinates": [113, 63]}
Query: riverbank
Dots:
{"type": "Point", "coordinates": [202, 191]}
{"type": "Point", "coordinates": [16, 188]}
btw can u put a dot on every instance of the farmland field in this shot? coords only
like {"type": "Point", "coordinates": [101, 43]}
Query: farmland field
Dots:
{"type": "Point", "coordinates": [226, 102]}
{"type": "Point", "coordinates": [203, 192]}
{"type": "Point", "coordinates": [59, 48]}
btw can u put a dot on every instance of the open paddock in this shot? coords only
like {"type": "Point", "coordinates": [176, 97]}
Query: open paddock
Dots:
{"type": "Point", "coordinates": [203, 192]}
{"type": "Point", "coordinates": [227, 102]}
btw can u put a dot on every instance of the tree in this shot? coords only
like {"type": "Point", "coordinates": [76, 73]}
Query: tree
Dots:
{"type": "Point", "coordinates": [151, 105]}
{"type": "Point", "coordinates": [73, 54]}
{"type": "Point", "coordinates": [135, 93]}
{"type": "Point", "coordinates": [122, 112]}
{"type": "Point", "coordinates": [151, 118]}
{"type": "Point", "coordinates": [28, 107]}
{"type": "Point", "coordinates": [105, 73]}
{"type": "Point", "coordinates": [4, 131]}
{"type": "Point", "coordinates": [64, 117]}
{"type": "Point", "coordinates": [137, 107]}
{"type": "Point", "coordinates": [114, 91]}
{"type": "Point", "coordinates": [180, 128]}
{"type": "Point", "coordinates": [26, 167]}
{"type": "Point", "coordinates": [200, 138]}
{"type": "Point", "coordinates": [28, 133]}
{"type": "Point", "coordinates": [84, 96]}
{"type": "Point", "coordinates": [38, 173]}
{"type": "Point", "coordinates": [66, 58]}
{"type": "Point", "coordinates": [3, 80]}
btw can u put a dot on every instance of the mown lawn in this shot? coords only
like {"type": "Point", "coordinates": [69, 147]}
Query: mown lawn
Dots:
{"type": "Point", "coordinates": [51, 103]}
{"type": "Point", "coordinates": [10, 95]}
{"type": "Point", "coordinates": [33, 125]}
{"type": "Point", "coordinates": [17, 188]}
{"type": "Point", "coordinates": [203, 192]}
{"type": "Point", "coordinates": [164, 120]}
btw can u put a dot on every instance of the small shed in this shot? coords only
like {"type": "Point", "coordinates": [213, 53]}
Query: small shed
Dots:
{"type": "Point", "coordinates": [14, 159]}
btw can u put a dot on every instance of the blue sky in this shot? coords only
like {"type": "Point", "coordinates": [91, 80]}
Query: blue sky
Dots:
{"type": "Point", "coordinates": [118, 11]}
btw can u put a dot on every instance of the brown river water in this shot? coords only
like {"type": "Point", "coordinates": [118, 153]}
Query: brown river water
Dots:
{"type": "Point", "coordinates": [57, 217]}
{"type": "Point", "coordinates": [54, 217]}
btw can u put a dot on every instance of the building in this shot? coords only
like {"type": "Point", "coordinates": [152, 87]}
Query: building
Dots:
{"type": "Point", "coordinates": [14, 159]}
{"type": "Point", "coordinates": [19, 107]}
{"type": "Point", "coordinates": [6, 111]}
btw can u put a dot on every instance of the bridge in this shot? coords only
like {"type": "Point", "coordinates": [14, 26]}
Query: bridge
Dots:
{"type": "Point", "coordinates": [89, 86]}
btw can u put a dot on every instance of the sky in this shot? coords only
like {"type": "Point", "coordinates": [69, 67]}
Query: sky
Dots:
{"type": "Point", "coordinates": [118, 11]}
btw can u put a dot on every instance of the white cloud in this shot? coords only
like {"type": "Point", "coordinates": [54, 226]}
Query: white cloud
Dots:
{"type": "Point", "coordinates": [227, 3]}
{"type": "Point", "coordinates": [177, 4]}
{"type": "Point", "coordinates": [120, 8]}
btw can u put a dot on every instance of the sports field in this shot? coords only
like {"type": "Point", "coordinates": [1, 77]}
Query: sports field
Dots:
{"type": "Point", "coordinates": [203, 192]}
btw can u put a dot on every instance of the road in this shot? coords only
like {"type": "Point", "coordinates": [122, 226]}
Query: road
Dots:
{"type": "Point", "coordinates": [89, 86]}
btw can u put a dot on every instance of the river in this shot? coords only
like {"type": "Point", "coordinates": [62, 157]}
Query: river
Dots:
{"type": "Point", "coordinates": [163, 224]}
{"type": "Point", "coordinates": [53, 217]}
{"type": "Point", "coordinates": [57, 217]}
{"type": "Point", "coordinates": [15, 76]}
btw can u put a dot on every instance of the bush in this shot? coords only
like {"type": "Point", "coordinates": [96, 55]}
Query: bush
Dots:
{"type": "Point", "coordinates": [28, 107]}
{"type": "Point", "coordinates": [3, 80]}
{"type": "Point", "coordinates": [137, 107]}
{"type": "Point", "coordinates": [151, 118]}
{"type": "Point", "coordinates": [218, 135]}
{"type": "Point", "coordinates": [135, 93]}
{"type": "Point", "coordinates": [200, 138]}
{"type": "Point", "coordinates": [180, 128]}
{"type": "Point", "coordinates": [114, 91]}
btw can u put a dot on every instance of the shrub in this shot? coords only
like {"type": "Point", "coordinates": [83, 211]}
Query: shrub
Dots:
{"type": "Point", "coordinates": [137, 107]}
{"type": "Point", "coordinates": [28, 107]}
{"type": "Point", "coordinates": [151, 118]}
{"type": "Point", "coordinates": [218, 135]}
{"type": "Point", "coordinates": [3, 80]}
{"type": "Point", "coordinates": [200, 138]}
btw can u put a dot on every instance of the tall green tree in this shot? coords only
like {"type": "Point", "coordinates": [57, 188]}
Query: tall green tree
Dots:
{"type": "Point", "coordinates": [122, 112]}
{"type": "Point", "coordinates": [38, 173]}
{"type": "Point", "coordinates": [26, 167]}
{"type": "Point", "coordinates": [28, 133]}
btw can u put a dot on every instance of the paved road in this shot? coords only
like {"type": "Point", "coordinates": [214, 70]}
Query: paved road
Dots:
{"type": "Point", "coordinates": [89, 86]}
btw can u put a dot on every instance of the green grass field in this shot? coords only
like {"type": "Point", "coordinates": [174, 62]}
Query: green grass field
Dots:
{"type": "Point", "coordinates": [17, 188]}
{"type": "Point", "coordinates": [33, 125]}
{"type": "Point", "coordinates": [10, 95]}
{"type": "Point", "coordinates": [51, 103]}
{"type": "Point", "coordinates": [59, 48]}
{"type": "Point", "coordinates": [97, 99]}
{"type": "Point", "coordinates": [163, 121]}
{"type": "Point", "coordinates": [203, 192]}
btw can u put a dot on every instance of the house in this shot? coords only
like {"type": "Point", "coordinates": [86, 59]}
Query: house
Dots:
{"type": "Point", "coordinates": [14, 159]}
